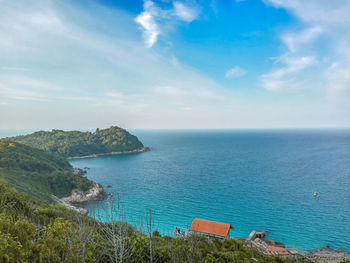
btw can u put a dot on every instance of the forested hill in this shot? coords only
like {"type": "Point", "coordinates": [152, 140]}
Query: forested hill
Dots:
{"type": "Point", "coordinates": [77, 143]}
{"type": "Point", "coordinates": [38, 173]}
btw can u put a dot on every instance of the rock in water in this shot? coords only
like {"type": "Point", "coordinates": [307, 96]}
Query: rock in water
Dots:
{"type": "Point", "coordinates": [95, 193]}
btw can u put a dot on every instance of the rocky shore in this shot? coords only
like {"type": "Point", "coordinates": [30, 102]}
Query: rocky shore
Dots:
{"type": "Point", "coordinates": [69, 206]}
{"type": "Point", "coordinates": [140, 150]}
{"type": "Point", "coordinates": [328, 255]}
{"type": "Point", "coordinates": [257, 241]}
{"type": "Point", "coordinates": [95, 193]}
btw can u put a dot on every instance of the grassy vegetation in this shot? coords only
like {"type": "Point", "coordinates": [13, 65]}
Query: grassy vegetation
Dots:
{"type": "Point", "coordinates": [34, 231]}
{"type": "Point", "coordinates": [38, 173]}
{"type": "Point", "coordinates": [76, 143]}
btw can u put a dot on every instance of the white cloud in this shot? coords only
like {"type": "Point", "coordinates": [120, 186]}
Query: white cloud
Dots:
{"type": "Point", "coordinates": [287, 76]}
{"type": "Point", "coordinates": [296, 41]}
{"type": "Point", "coordinates": [153, 18]}
{"type": "Point", "coordinates": [318, 53]}
{"type": "Point", "coordinates": [317, 11]}
{"type": "Point", "coordinates": [18, 87]}
{"type": "Point", "coordinates": [235, 72]}
{"type": "Point", "coordinates": [21, 94]}
{"type": "Point", "coordinates": [147, 20]}
{"type": "Point", "coordinates": [185, 12]}
{"type": "Point", "coordinates": [89, 67]}
{"type": "Point", "coordinates": [84, 66]}
{"type": "Point", "coordinates": [338, 76]}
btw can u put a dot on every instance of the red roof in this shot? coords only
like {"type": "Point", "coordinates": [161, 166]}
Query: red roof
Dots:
{"type": "Point", "coordinates": [210, 227]}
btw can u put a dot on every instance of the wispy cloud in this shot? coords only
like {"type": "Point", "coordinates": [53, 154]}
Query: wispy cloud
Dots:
{"type": "Point", "coordinates": [318, 45]}
{"type": "Point", "coordinates": [286, 76]}
{"type": "Point", "coordinates": [21, 94]}
{"type": "Point", "coordinates": [90, 70]}
{"type": "Point", "coordinates": [17, 87]}
{"type": "Point", "coordinates": [184, 12]}
{"type": "Point", "coordinates": [296, 41]}
{"type": "Point", "coordinates": [235, 72]}
{"type": "Point", "coordinates": [61, 57]}
{"type": "Point", "coordinates": [147, 21]}
{"type": "Point", "coordinates": [152, 18]}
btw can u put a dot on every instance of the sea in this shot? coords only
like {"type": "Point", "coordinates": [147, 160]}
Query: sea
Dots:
{"type": "Point", "coordinates": [261, 180]}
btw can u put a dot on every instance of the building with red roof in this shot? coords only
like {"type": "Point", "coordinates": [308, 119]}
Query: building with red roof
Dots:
{"type": "Point", "coordinates": [211, 228]}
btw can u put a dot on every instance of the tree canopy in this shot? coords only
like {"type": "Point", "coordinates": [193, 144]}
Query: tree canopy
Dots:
{"type": "Point", "coordinates": [38, 173]}
{"type": "Point", "coordinates": [77, 143]}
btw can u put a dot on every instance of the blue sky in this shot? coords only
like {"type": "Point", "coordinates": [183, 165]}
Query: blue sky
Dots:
{"type": "Point", "coordinates": [174, 64]}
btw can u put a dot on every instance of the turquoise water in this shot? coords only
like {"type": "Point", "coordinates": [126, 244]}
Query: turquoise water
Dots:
{"type": "Point", "coordinates": [255, 180]}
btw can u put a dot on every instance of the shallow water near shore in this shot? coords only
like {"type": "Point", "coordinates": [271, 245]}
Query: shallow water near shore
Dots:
{"type": "Point", "coordinates": [253, 179]}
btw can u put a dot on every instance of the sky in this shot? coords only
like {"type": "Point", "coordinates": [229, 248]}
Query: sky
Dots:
{"type": "Point", "coordinates": [174, 64]}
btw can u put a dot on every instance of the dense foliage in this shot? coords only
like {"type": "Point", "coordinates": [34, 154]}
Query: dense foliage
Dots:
{"type": "Point", "coordinates": [77, 143]}
{"type": "Point", "coordinates": [34, 231]}
{"type": "Point", "coordinates": [38, 173]}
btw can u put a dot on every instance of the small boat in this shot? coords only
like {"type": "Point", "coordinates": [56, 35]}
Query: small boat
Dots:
{"type": "Point", "coordinates": [315, 193]}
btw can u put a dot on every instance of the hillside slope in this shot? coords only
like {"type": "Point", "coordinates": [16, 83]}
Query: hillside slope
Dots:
{"type": "Point", "coordinates": [77, 143]}
{"type": "Point", "coordinates": [34, 231]}
{"type": "Point", "coordinates": [38, 173]}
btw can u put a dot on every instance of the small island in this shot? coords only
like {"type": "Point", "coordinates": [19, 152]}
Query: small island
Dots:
{"type": "Point", "coordinates": [78, 144]}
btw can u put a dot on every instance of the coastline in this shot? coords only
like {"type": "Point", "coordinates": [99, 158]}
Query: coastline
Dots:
{"type": "Point", "coordinates": [95, 193]}
{"type": "Point", "coordinates": [140, 150]}
{"type": "Point", "coordinates": [79, 210]}
{"type": "Point", "coordinates": [328, 255]}
{"type": "Point", "coordinates": [319, 255]}
{"type": "Point", "coordinates": [268, 247]}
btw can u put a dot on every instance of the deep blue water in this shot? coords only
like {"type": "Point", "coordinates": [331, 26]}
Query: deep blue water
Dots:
{"type": "Point", "coordinates": [253, 179]}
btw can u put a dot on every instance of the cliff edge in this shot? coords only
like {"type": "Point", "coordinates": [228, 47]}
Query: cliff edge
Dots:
{"type": "Point", "coordinates": [95, 193]}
